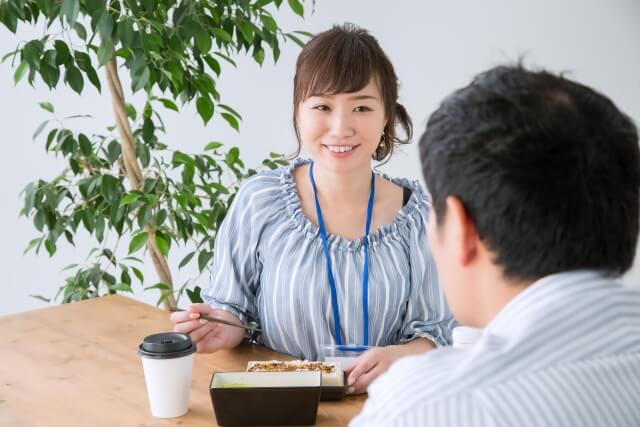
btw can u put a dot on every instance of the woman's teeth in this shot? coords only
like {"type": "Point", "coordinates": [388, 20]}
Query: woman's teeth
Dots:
{"type": "Point", "coordinates": [340, 148]}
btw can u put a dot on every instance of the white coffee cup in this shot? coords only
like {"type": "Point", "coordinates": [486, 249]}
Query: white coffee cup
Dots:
{"type": "Point", "coordinates": [167, 360]}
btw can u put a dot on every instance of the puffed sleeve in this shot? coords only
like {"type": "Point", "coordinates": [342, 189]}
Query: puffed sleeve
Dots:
{"type": "Point", "coordinates": [427, 312]}
{"type": "Point", "coordinates": [236, 267]}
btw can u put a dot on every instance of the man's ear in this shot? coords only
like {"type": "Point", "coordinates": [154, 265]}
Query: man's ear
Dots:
{"type": "Point", "coordinates": [463, 230]}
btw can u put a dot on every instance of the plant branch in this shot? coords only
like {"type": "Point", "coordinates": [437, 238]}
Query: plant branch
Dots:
{"type": "Point", "coordinates": [134, 173]}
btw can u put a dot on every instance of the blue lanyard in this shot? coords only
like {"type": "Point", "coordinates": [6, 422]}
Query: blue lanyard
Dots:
{"type": "Point", "coordinates": [365, 273]}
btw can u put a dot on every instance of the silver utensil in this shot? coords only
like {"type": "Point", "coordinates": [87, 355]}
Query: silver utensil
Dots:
{"type": "Point", "coordinates": [226, 322]}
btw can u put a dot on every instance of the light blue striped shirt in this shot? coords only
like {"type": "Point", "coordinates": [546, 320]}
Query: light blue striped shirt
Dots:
{"type": "Point", "coordinates": [269, 264]}
{"type": "Point", "coordinates": [564, 352]}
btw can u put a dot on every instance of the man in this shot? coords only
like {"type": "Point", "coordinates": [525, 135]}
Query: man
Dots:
{"type": "Point", "coordinates": [535, 188]}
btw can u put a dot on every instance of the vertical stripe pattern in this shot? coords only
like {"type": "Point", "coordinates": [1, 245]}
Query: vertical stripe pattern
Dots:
{"type": "Point", "coordinates": [269, 265]}
{"type": "Point", "coordinates": [564, 352]}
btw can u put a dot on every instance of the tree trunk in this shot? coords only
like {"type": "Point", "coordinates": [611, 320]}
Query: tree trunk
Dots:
{"type": "Point", "coordinates": [134, 173]}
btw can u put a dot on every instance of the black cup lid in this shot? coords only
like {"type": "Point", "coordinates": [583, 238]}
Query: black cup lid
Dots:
{"type": "Point", "coordinates": [167, 345]}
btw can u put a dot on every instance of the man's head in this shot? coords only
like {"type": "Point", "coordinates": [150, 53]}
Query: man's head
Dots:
{"type": "Point", "coordinates": [531, 174]}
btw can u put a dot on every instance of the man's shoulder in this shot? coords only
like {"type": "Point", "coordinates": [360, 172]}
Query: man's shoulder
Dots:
{"type": "Point", "coordinates": [420, 389]}
{"type": "Point", "coordinates": [433, 375]}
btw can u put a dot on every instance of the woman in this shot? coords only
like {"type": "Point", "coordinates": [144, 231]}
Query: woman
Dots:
{"type": "Point", "coordinates": [291, 252]}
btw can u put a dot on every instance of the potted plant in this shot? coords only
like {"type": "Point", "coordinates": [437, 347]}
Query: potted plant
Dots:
{"type": "Point", "coordinates": [128, 187]}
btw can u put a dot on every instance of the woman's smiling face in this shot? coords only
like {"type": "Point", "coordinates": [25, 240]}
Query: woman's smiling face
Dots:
{"type": "Point", "coordinates": [342, 131]}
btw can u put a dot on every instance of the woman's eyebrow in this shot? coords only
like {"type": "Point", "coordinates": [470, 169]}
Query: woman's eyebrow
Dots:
{"type": "Point", "coordinates": [353, 97]}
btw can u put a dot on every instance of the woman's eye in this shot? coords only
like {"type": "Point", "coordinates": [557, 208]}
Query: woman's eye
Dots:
{"type": "Point", "coordinates": [321, 108]}
{"type": "Point", "coordinates": [362, 109]}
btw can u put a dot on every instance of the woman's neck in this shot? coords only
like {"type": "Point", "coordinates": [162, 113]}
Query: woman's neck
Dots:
{"type": "Point", "coordinates": [343, 188]}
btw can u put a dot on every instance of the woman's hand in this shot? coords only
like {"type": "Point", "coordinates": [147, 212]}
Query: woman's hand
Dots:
{"type": "Point", "coordinates": [208, 336]}
{"type": "Point", "coordinates": [374, 362]}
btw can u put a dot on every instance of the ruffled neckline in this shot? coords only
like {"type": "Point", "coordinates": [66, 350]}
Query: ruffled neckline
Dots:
{"type": "Point", "coordinates": [410, 211]}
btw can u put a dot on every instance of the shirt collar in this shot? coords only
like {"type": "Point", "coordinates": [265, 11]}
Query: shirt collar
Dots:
{"type": "Point", "coordinates": [536, 299]}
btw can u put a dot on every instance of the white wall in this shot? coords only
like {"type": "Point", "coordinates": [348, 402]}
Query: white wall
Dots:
{"type": "Point", "coordinates": [436, 47]}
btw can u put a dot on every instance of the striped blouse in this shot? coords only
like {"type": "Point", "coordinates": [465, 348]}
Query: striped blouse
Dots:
{"type": "Point", "coordinates": [269, 266]}
{"type": "Point", "coordinates": [564, 352]}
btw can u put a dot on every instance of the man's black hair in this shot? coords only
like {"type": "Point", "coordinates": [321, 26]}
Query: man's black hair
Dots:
{"type": "Point", "coordinates": [548, 169]}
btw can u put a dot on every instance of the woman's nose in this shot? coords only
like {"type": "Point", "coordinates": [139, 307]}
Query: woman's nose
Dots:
{"type": "Point", "coordinates": [341, 125]}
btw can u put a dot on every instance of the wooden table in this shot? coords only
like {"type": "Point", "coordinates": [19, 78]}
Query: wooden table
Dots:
{"type": "Point", "coordinates": [78, 364]}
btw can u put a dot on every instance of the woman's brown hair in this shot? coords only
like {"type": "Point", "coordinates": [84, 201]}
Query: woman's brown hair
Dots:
{"type": "Point", "coordinates": [344, 59]}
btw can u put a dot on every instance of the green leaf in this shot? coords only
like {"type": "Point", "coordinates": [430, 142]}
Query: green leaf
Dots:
{"type": "Point", "coordinates": [181, 158]}
{"type": "Point", "coordinates": [246, 30]}
{"type": "Point", "coordinates": [160, 286]}
{"type": "Point", "coordinates": [50, 247]}
{"type": "Point", "coordinates": [186, 260]}
{"type": "Point", "coordinates": [160, 217]}
{"type": "Point", "coordinates": [69, 267]}
{"type": "Point", "coordinates": [32, 52]}
{"type": "Point", "coordinates": [40, 129]}
{"type": "Point", "coordinates": [233, 122]}
{"type": "Point", "coordinates": [11, 55]}
{"type": "Point", "coordinates": [50, 137]}
{"type": "Point", "coordinates": [233, 154]}
{"type": "Point", "coordinates": [140, 79]}
{"type": "Point", "coordinates": [305, 33]}
{"type": "Point", "coordinates": [138, 241]}
{"type": "Point", "coordinates": [138, 274]}
{"type": "Point", "coordinates": [92, 76]}
{"type": "Point", "coordinates": [86, 147]}
{"type": "Point", "coordinates": [230, 110]}
{"type": "Point", "coordinates": [194, 295]}
{"type": "Point", "coordinates": [221, 35]}
{"type": "Point", "coordinates": [213, 145]}
{"type": "Point", "coordinates": [258, 55]}
{"type": "Point", "coordinates": [105, 52]}
{"type": "Point", "coordinates": [39, 219]}
{"type": "Point", "coordinates": [260, 4]}
{"type": "Point", "coordinates": [70, 9]}
{"type": "Point", "coordinates": [129, 198]}
{"type": "Point", "coordinates": [46, 106]}
{"type": "Point", "coordinates": [163, 245]}
{"type": "Point", "coordinates": [295, 39]}
{"type": "Point", "coordinates": [122, 287]}
{"type": "Point", "coordinates": [169, 104]}
{"type": "Point", "coordinates": [203, 41]}
{"type": "Point", "coordinates": [221, 188]}
{"type": "Point", "coordinates": [74, 79]}
{"type": "Point", "coordinates": [7, 17]}
{"type": "Point", "coordinates": [269, 23]}
{"type": "Point", "coordinates": [63, 55]}
{"type": "Point", "coordinates": [125, 32]}
{"type": "Point", "coordinates": [226, 58]}
{"type": "Point", "coordinates": [32, 244]}
{"type": "Point", "coordinates": [203, 259]}
{"type": "Point", "coordinates": [20, 70]}
{"type": "Point", "coordinates": [110, 187]}
{"type": "Point", "coordinates": [50, 72]}
{"type": "Point", "coordinates": [80, 30]}
{"type": "Point", "coordinates": [144, 215]}
{"type": "Point", "coordinates": [99, 227]}
{"type": "Point", "coordinates": [40, 297]}
{"type": "Point", "coordinates": [205, 108]}
{"type": "Point", "coordinates": [29, 198]}
{"type": "Point", "coordinates": [113, 151]}
{"type": "Point", "coordinates": [297, 7]}
{"type": "Point", "coordinates": [213, 64]}
{"type": "Point", "coordinates": [105, 25]}
{"type": "Point", "coordinates": [176, 72]}
{"type": "Point", "coordinates": [131, 112]}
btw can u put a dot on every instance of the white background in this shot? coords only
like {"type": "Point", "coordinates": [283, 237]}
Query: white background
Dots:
{"type": "Point", "coordinates": [435, 47]}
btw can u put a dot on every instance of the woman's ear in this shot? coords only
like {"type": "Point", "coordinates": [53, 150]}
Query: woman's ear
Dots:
{"type": "Point", "coordinates": [462, 230]}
